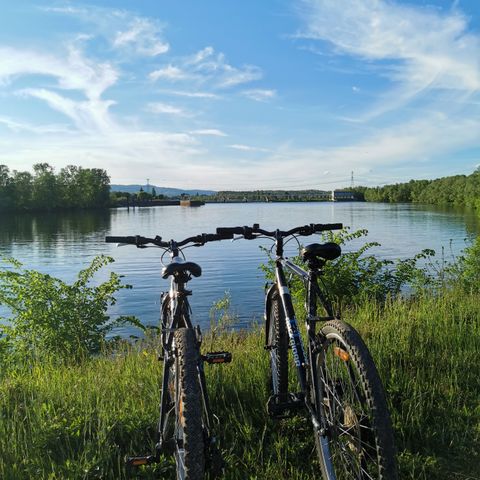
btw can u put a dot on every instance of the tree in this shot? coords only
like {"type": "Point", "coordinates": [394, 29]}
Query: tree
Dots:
{"type": "Point", "coordinates": [6, 190]}
{"type": "Point", "coordinates": [44, 193]}
{"type": "Point", "coordinates": [22, 190]}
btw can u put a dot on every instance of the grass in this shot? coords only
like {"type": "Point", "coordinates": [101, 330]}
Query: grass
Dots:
{"type": "Point", "coordinates": [79, 421]}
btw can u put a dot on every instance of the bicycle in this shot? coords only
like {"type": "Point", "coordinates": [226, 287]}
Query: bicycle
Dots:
{"type": "Point", "coordinates": [185, 424]}
{"type": "Point", "coordinates": [339, 384]}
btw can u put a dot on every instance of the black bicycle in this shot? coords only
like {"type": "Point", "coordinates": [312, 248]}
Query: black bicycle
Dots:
{"type": "Point", "coordinates": [339, 383]}
{"type": "Point", "coordinates": [185, 426]}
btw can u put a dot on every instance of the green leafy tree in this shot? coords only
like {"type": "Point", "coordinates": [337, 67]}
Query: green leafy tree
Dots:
{"type": "Point", "coordinates": [6, 189]}
{"type": "Point", "coordinates": [44, 191]}
{"type": "Point", "coordinates": [22, 190]}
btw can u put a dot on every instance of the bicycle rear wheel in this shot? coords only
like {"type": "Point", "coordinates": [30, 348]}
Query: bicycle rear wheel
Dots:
{"type": "Point", "coordinates": [185, 389]}
{"type": "Point", "coordinates": [359, 440]}
{"type": "Point", "coordinates": [278, 344]}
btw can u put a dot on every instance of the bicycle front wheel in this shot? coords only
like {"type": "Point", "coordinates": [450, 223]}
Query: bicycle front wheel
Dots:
{"type": "Point", "coordinates": [278, 346]}
{"type": "Point", "coordinates": [189, 428]}
{"type": "Point", "coordinates": [358, 442]}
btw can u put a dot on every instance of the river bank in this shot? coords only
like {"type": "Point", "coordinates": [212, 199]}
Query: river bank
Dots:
{"type": "Point", "coordinates": [79, 421]}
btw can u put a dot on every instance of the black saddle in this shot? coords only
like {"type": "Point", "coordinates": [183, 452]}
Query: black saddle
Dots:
{"type": "Point", "coordinates": [179, 265]}
{"type": "Point", "coordinates": [327, 251]}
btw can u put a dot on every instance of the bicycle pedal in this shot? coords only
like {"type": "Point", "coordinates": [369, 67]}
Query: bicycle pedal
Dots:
{"type": "Point", "coordinates": [285, 409]}
{"type": "Point", "coordinates": [217, 357]}
{"type": "Point", "coordinates": [139, 461]}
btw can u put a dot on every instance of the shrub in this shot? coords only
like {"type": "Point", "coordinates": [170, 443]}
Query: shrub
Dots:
{"type": "Point", "coordinates": [52, 318]}
{"type": "Point", "coordinates": [357, 273]}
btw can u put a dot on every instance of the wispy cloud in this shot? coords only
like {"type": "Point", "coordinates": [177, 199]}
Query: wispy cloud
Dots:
{"type": "Point", "coordinates": [143, 35]}
{"type": "Point", "coordinates": [123, 30]}
{"type": "Point", "coordinates": [421, 49]}
{"type": "Point", "coordinates": [209, 132]}
{"type": "Point", "coordinates": [247, 148]}
{"type": "Point", "coordinates": [73, 72]}
{"type": "Point", "coordinates": [182, 93]}
{"type": "Point", "coordinates": [160, 107]}
{"type": "Point", "coordinates": [16, 126]}
{"type": "Point", "coordinates": [210, 68]}
{"type": "Point", "coordinates": [168, 73]}
{"type": "Point", "coordinates": [260, 95]}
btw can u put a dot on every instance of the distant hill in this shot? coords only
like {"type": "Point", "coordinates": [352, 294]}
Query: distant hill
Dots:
{"type": "Point", "coordinates": [169, 192]}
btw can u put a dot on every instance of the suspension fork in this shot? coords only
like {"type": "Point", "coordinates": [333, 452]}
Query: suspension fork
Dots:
{"type": "Point", "coordinates": [292, 326]}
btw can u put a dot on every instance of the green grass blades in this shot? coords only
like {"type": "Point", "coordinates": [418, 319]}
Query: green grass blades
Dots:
{"type": "Point", "coordinates": [79, 421]}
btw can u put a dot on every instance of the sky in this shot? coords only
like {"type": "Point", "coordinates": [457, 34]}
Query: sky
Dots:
{"type": "Point", "coordinates": [223, 95]}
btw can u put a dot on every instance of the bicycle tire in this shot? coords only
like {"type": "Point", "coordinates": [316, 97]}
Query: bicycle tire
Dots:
{"type": "Point", "coordinates": [278, 342]}
{"type": "Point", "coordinates": [359, 442]}
{"type": "Point", "coordinates": [189, 428]}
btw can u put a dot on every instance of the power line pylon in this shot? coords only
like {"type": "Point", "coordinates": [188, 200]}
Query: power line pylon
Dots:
{"type": "Point", "coordinates": [352, 184]}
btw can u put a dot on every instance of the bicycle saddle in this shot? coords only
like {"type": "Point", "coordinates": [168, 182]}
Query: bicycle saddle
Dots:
{"type": "Point", "coordinates": [180, 265]}
{"type": "Point", "coordinates": [327, 251]}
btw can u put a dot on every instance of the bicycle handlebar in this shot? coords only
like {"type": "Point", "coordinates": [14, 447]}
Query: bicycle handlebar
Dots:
{"type": "Point", "coordinates": [252, 232]}
{"type": "Point", "coordinates": [142, 241]}
{"type": "Point", "coordinates": [226, 233]}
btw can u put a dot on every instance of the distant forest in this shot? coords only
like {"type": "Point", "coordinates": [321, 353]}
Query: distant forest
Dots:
{"type": "Point", "coordinates": [76, 187]}
{"type": "Point", "coordinates": [461, 190]}
{"type": "Point", "coordinates": [73, 187]}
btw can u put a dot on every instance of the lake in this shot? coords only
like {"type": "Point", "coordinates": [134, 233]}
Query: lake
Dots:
{"type": "Point", "coordinates": [62, 243]}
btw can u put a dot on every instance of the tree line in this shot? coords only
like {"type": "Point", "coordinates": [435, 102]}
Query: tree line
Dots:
{"type": "Point", "coordinates": [71, 188]}
{"type": "Point", "coordinates": [458, 190]}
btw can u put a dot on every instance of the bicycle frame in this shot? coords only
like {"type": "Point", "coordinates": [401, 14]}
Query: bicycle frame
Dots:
{"type": "Point", "coordinates": [302, 358]}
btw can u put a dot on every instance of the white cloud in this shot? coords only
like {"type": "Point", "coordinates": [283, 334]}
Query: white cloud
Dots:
{"type": "Point", "coordinates": [90, 115]}
{"type": "Point", "coordinates": [143, 35]}
{"type": "Point", "coordinates": [188, 94]}
{"type": "Point", "coordinates": [260, 95]}
{"type": "Point", "coordinates": [72, 71]}
{"type": "Point", "coordinates": [208, 67]}
{"type": "Point", "coordinates": [159, 107]}
{"type": "Point", "coordinates": [209, 131]}
{"type": "Point", "coordinates": [121, 28]}
{"type": "Point", "coordinates": [424, 48]}
{"type": "Point", "coordinates": [16, 126]}
{"type": "Point", "coordinates": [169, 73]}
{"type": "Point", "coordinates": [247, 148]}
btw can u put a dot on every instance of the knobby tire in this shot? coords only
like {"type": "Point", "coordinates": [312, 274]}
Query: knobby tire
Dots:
{"type": "Point", "coordinates": [278, 341]}
{"type": "Point", "coordinates": [189, 431]}
{"type": "Point", "coordinates": [359, 443]}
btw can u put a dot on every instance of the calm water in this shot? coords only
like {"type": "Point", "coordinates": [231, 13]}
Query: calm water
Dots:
{"type": "Point", "coordinates": [62, 244]}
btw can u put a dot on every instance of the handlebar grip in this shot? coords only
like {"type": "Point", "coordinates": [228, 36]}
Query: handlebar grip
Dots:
{"type": "Point", "coordinates": [120, 240]}
{"type": "Point", "coordinates": [321, 227]}
{"type": "Point", "coordinates": [222, 236]}
{"type": "Point", "coordinates": [230, 231]}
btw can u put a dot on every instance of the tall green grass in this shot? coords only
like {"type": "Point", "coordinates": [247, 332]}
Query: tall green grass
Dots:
{"type": "Point", "coordinates": [79, 421]}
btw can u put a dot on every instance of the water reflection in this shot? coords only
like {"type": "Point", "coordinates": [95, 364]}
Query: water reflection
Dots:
{"type": "Point", "coordinates": [63, 243]}
{"type": "Point", "coordinates": [52, 228]}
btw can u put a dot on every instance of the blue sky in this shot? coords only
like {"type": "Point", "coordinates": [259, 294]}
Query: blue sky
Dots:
{"type": "Point", "coordinates": [214, 94]}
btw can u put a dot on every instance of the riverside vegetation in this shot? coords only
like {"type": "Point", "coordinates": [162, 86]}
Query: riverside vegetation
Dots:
{"type": "Point", "coordinates": [73, 404]}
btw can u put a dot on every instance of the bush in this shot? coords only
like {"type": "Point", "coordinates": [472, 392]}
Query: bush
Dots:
{"type": "Point", "coordinates": [358, 274]}
{"type": "Point", "coordinates": [52, 318]}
